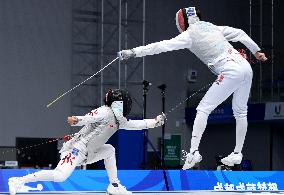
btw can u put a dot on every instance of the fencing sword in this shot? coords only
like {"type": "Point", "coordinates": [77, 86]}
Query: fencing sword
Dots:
{"type": "Point", "coordinates": [59, 97]}
{"type": "Point", "coordinates": [189, 97]}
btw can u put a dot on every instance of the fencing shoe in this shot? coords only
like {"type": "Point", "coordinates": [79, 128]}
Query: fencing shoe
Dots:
{"type": "Point", "coordinates": [232, 159]}
{"type": "Point", "coordinates": [191, 159]}
{"type": "Point", "coordinates": [117, 189]}
{"type": "Point", "coordinates": [15, 185]}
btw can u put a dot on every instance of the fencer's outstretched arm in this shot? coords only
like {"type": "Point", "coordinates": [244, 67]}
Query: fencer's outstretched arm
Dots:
{"type": "Point", "coordinates": [181, 41]}
{"type": "Point", "coordinates": [238, 35]}
{"type": "Point", "coordinates": [135, 124]}
{"type": "Point", "coordinates": [141, 124]}
{"type": "Point", "coordinates": [91, 117]}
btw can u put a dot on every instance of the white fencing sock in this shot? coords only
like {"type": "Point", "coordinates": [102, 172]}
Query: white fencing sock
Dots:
{"type": "Point", "coordinates": [110, 165]}
{"type": "Point", "coordinates": [199, 126]}
{"type": "Point", "coordinates": [241, 130]}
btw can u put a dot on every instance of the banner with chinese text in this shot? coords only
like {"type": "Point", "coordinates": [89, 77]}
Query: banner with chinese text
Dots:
{"type": "Point", "coordinates": [153, 180]}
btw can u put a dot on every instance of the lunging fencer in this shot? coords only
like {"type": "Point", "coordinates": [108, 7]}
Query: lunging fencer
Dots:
{"type": "Point", "coordinates": [210, 43]}
{"type": "Point", "coordinates": [89, 144]}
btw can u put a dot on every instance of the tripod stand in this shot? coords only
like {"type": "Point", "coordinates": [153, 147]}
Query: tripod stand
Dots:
{"type": "Point", "coordinates": [163, 90]}
{"type": "Point", "coordinates": [146, 85]}
{"type": "Point", "coordinates": [146, 141]}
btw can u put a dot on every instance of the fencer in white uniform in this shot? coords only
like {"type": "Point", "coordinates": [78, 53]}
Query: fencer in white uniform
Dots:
{"type": "Point", "coordinates": [210, 43]}
{"type": "Point", "coordinates": [89, 144]}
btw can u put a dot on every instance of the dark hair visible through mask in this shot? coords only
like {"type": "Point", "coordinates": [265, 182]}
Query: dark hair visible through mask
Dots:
{"type": "Point", "coordinates": [186, 25]}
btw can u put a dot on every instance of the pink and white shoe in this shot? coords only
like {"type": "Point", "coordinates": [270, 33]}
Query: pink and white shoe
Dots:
{"type": "Point", "coordinates": [191, 159]}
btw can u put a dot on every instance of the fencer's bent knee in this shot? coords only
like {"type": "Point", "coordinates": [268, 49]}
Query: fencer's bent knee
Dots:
{"type": "Point", "coordinates": [239, 112]}
{"type": "Point", "coordinates": [109, 159]}
{"type": "Point", "coordinates": [205, 108]}
{"type": "Point", "coordinates": [110, 150]}
{"type": "Point", "coordinates": [202, 113]}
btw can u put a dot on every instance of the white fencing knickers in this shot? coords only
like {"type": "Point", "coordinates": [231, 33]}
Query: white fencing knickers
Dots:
{"type": "Point", "coordinates": [71, 159]}
{"type": "Point", "coordinates": [236, 79]}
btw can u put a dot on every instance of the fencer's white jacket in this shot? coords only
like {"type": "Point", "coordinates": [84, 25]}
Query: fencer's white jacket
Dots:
{"type": "Point", "coordinates": [99, 125]}
{"type": "Point", "coordinates": [210, 43]}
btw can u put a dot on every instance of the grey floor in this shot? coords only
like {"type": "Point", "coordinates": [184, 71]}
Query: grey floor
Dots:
{"type": "Point", "coordinates": [159, 193]}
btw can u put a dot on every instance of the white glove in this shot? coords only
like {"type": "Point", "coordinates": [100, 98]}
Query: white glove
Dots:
{"type": "Point", "coordinates": [126, 54]}
{"type": "Point", "coordinates": [160, 120]}
{"type": "Point", "coordinates": [156, 122]}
